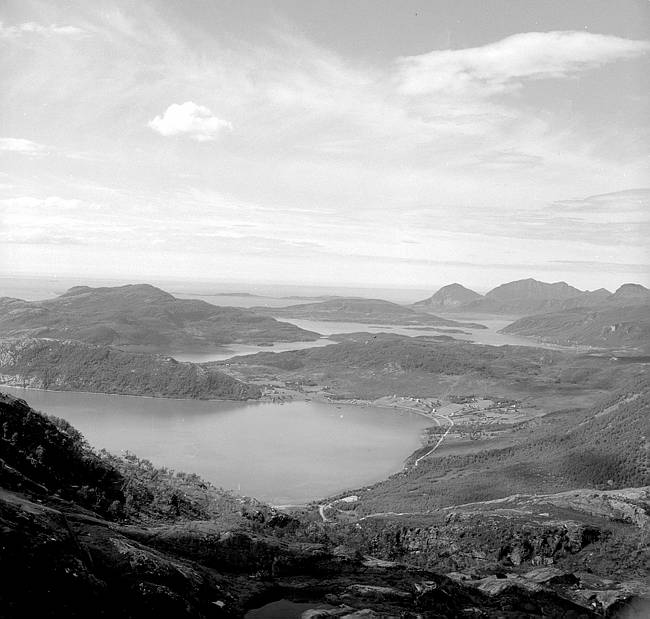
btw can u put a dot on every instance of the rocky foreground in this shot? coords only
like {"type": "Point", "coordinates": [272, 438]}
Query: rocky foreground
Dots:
{"type": "Point", "coordinates": [63, 561]}
{"type": "Point", "coordinates": [587, 546]}
{"type": "Point", "coordinates": [90, 535]}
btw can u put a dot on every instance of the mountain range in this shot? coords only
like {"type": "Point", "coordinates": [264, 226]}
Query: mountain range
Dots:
{"type": "Point", "coordinates": [558, 313]}
{"type": "Point", "coordinates": [530, 296]}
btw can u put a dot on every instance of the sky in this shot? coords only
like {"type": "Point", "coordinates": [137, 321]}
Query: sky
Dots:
{"type": "Point", "coordinates": [355, 143]}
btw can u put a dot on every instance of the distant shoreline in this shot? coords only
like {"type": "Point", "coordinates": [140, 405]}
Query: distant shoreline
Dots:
{"type": "Point", "coordinates": [129, 395]}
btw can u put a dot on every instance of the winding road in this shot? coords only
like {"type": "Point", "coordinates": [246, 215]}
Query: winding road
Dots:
{"type": "Point", "coordinates": [450, 421]}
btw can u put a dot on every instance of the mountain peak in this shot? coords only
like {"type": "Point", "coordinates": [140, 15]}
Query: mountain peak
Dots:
{"type": "Point", "coordinates": [450, 296]}
{"type": "Point", "coordinates": [632, 288]}
{"type": "Point", "coordinates": [631, 292]}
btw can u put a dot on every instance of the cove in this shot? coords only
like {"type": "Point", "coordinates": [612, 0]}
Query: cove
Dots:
{"type": "Point", "coordinates": [288, 453]}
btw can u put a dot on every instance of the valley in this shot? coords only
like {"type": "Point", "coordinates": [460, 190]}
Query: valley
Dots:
{"type": "Point", "coordinates": [397, 451]}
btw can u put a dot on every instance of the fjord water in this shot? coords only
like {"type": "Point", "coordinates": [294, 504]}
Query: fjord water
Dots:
{"type": "Point", "coordinates": [280, 453]}
{"type": "Point", "coordinates": [489, 336]}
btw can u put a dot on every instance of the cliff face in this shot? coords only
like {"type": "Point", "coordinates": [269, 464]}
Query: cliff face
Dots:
{"type": "Point", "coordinates": [584, 544]}
{"type": "Point", "coordinates": [60, 561]}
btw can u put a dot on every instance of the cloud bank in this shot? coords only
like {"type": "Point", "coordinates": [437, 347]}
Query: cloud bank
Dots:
{"type": "Point", "coordinates": [33, 28]}
{"type": "Point", "coordinates": [502, 66]}
{"type": "Point", "coordinates": [189, 119]}
{"type": "Point", "coordinates": [22, 146]}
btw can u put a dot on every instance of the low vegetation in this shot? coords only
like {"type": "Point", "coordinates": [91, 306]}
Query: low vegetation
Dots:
{"type": "Point", "coordinates": [74, 366]}
{"type": "Point", "coordinates": [605, 446]}
{"type": "Point", "coordinates": [623, 327]}
{"type": "Point", "coordinates": [371, 366]}
{"type": "Point", "coordinates": [46, 454]}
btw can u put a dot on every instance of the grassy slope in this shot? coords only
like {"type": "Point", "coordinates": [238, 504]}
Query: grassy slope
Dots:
{"type": "Point", "coordinates": [605, 446]}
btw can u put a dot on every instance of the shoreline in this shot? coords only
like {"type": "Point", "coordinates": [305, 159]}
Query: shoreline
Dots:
{"type": "Point", "coordinates": [263, 400]}
{"type": "Point", "coordinates": [307, 505]}
{"type": "Point", "coordinates": [130, 395]}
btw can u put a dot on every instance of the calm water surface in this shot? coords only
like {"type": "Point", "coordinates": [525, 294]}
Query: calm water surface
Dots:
{"type": "Point", "coordinates": [281, 453]}
{"type": "Point", "coordinates": [489, 336]}
{"type": "Point", "coordinates": [234, 350]}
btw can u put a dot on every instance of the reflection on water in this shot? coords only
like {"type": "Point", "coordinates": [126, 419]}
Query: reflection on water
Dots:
{"type": "Point", "coordinates": [234, 350]}
{"type": "Point", "coordinates": [284, 609]}
{"type": "Point", "coordinates": [282, 453]}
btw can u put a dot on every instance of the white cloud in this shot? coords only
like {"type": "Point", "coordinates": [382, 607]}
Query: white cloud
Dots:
{"type": "Point", "coordinates": [34, 28]}
{"type": "Point", "coordinates": [190, 119]}
{"type": "Point", "coordinates": [20, 145]}
{"type": "Point", "coordinates": [502, 66]}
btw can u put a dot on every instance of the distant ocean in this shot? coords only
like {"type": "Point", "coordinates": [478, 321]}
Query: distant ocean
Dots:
{"type": "Point", "coordinates": [32, 288]}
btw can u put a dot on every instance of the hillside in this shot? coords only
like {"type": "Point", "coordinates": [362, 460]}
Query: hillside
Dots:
{"type": "Point", "coordinates": [92, 535]}
{"type": "Point", "coordinates": [448, 298]}
{"type": "Point", "coordinates": [630, 294]}
{"type": "Point", "coordinates": [366, 311]}
{"type": "Point", "coordinates": [572, 495]}
{"type": "Point", "coordinates": [622, 327]}
{"type": "Point", "coordinates": [143, 317]}
{"type": "Point", "coordinates": [373, 366]}
{"type": "Point", "coordinates": [75, 366]}
{"type": "Point", "coordinates": [604, 446]}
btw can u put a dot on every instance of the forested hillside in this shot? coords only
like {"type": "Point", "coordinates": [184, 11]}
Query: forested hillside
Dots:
{"type": "Point", "coordinates": [75, 366]}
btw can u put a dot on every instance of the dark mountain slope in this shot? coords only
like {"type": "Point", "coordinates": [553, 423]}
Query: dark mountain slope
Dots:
{"type": "Point", "coordinates": [526, 296]}
{"type": "Point", "coordinates": [625, 326]}
{"type": "Point", "coordinates": [373, 366]}
{"type": "Point", "coordinates": [140, 316]}
{"type": "Point", "coordinates": [75, 366]}
{"type": "Point", "coordinates": [386, 353]}
{"type": "Point", "coordinates": [532, 289]}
